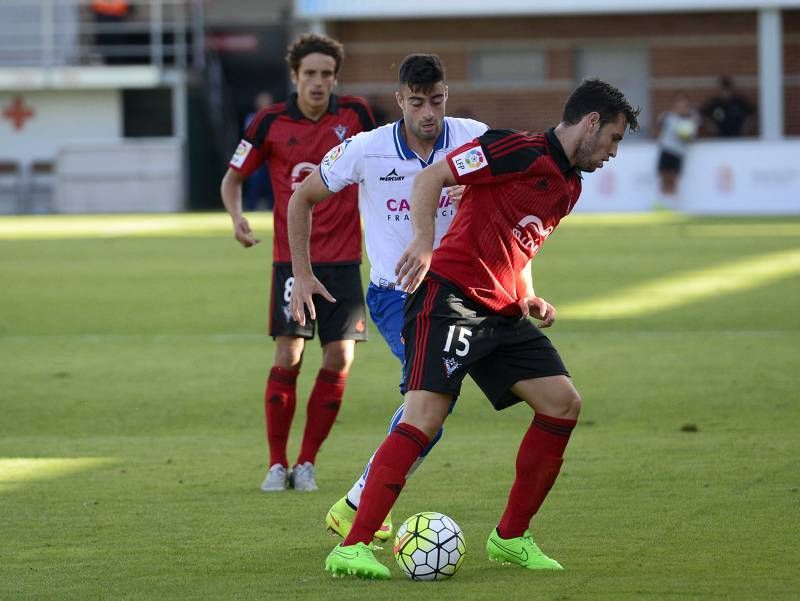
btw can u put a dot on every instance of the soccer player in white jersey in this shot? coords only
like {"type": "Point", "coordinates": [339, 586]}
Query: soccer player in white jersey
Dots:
{"type": "Point", "coordinates": [383, 162]}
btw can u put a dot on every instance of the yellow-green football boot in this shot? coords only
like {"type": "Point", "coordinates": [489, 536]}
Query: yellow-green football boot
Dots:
{"type": "Point", "coordinates": [356, 560]}
{"type": "Point", "coordinates": [340, 520]}
{"type": "Point", "coordinates": [521, 551]}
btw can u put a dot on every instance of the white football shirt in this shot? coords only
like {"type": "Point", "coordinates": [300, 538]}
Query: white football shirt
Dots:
{"type": "Point", "coordinates": [384, 167]}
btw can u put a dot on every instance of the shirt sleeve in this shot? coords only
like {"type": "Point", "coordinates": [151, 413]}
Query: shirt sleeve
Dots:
{"type": "Point", "coordinates": [342, 165]}
{"type": "Point", "coordinates": [478, 127]}
{"type": "Point", "coordinates": [252, 151]}
{"type": "Point", "coordinates": [497, 155]}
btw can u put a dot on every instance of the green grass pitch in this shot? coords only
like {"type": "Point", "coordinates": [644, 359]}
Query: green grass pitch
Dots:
{"type": "Point", "coordinates": [133, 353]}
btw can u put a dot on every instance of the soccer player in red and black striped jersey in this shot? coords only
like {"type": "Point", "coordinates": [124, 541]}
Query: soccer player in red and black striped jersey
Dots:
{"type": "Point", "coordinates": [469, 313]}
{"type": "Point", "coordinates": [291, 138]}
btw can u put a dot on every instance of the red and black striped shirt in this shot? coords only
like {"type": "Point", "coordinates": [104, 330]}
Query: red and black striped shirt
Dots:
{"type": "Point", "coordinates": [519, 186]}
{"type": "Point", "coordinates": [292, 146]}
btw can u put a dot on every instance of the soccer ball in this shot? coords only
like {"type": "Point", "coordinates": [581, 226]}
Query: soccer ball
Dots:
{"type": "Point", "coordinates": [429, 546]}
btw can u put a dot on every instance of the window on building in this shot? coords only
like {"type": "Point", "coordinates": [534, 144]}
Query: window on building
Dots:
{"type": "Point", "coordinates": [626, 68]}
{"type": "Point", "coordinates": [147, 113]}
{"type": "Point", "coordinates": [508, 67]}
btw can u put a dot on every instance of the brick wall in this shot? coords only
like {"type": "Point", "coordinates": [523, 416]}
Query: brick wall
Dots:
{"type": "Point", "coordinates": [686, 52]}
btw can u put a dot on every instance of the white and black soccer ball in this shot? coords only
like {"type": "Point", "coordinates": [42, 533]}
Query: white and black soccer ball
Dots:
{"type": "Point", "coordinates": [429, 546]}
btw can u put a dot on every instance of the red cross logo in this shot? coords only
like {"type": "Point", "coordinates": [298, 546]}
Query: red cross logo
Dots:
{"type": "Point", "coordinates": [18, 113]}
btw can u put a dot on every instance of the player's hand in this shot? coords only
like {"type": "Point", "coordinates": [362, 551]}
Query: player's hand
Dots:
{"type": "Point", "coordinates": [413, 265]}
{"type": "Point", "coordinates": [303, 290]}
{"type": "Point", "coordinates": [243, 233]}
{"type": "Point", "coordinates": [536, 306]}
{"type": "Point", "coordinates": [455, 193]}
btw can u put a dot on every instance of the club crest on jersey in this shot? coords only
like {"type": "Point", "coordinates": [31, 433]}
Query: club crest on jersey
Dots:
{"type": "Point", "coordinates": [241, 153]}
{"type": "Point", "coordinates": [340, 131]}
{"type": "Point", "coordinates": [470, 160]}
{"type": "Point", "coordinates": [531, 233]}
{"type": "Point", "coordinates": [450, 365]}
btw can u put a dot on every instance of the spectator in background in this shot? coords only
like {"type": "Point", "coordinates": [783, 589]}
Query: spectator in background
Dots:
{"type": "Point", "coordinates": [258, 187]}
{"type": "Point", "coordinates": [675, 129]}
{"type": "Point", "coordinates": [109, 16]}
{"type": "Point", "coordinates": [728, 114]}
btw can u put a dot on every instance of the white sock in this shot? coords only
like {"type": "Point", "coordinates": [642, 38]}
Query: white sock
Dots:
{"type": "Point", "coordinates": [354, 494]}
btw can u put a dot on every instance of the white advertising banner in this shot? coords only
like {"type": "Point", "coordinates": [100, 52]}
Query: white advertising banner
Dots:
{"type": "Point", "coordinates": [743, 177]}
{"type": "Point", "coordinates": [737, 177]}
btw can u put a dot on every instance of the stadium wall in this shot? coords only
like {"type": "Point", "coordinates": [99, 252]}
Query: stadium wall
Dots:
{"type": "Point", "coordinates": [51, 119]}
{"type": "Point", "coordinates": [682, 51]}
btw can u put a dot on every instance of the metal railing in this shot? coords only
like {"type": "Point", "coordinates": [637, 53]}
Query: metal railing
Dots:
{"type": "Point", "coordinates": [59, 33]}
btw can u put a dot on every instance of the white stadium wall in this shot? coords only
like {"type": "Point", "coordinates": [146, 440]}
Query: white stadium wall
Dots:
{"type": "Point", "coordinates": [95, 169]}
{"type": "Point", "coordinates": [719, 178]}
{"type": "Point", "coordinates": [58, 117]}
{"type": "Point", "coordinates": [132, 176]}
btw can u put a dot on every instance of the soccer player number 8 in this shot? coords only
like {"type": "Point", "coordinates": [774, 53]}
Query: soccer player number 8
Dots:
{"type": "Point", "coordinates": [287, 289]}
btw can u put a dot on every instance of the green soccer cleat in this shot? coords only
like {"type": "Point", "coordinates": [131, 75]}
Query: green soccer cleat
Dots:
{"type": "Point", "coordinates": [521, 551]}
{"type": "Point", "coordinates": [340, 520]}
{"type": "Point", "coordinates": [356, 560]}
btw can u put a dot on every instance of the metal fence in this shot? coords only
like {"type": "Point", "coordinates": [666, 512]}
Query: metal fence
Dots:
{"type": "Point", "coordinates": [59, 33]}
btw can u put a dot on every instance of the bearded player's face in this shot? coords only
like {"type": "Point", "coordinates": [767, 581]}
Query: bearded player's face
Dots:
{"type": "Point", "coordinates": [600, 143]}
{"type": "Point", "coordinates": [423, 111]}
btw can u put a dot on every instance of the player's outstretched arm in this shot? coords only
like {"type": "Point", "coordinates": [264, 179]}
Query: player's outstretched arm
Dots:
{"type": "Point", "coordinates": [425, 194]}
{"type": "Point", "coordinates": [231, 191]}
{"type": "Point", "coordinates": [305, 285]}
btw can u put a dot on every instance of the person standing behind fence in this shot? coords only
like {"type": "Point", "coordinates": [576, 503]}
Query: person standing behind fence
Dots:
{"type": "Point", "coordinates": [729, 114]}
{"type": "Point", "coordinates": [110, 39]}
{"type": "Point", "coordinates": [675, 129]}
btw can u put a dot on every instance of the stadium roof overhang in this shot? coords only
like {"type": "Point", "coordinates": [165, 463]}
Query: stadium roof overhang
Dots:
{"type": "Point", "coordinates": [340, 10]}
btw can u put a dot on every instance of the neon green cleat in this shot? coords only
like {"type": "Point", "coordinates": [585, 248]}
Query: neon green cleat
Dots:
{"type": "Point", "coordinates": [521, 551]}
{"type": "Point", "coordinates": [356, 560]}
{"type": "Point", "coordinates": [340, 520]}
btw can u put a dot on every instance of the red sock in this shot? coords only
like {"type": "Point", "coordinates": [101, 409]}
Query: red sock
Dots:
{"type": "Point", "coordinates": [386, 479]}
{"type": "Point", "coordinates": [538, 463]}
{"type": "Point", "coordinates": [279, 403]}
{"type": "Point", "coordinates": [323, 407]}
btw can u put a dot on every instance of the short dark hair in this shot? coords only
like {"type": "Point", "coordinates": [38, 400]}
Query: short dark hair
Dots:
{"type": "Point", "coordinates": [309, 43]}
{"type": "Point", "coordinates": [420, 72]}
{"type": "Point", "coordinates": [596, 96]}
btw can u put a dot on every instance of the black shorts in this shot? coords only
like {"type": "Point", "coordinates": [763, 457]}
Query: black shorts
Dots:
{"type": "Point", "coordinates": [668, 161]}
{"type": "Point", "coordinates": [346, 319]}
{"type": "Point", "coordinates": [447, 336]}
